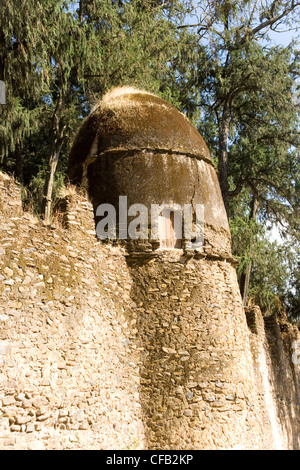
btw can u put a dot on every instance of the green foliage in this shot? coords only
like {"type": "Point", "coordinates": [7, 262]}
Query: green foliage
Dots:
{"type": "Point", "coordinates": [57, 62]}
{"type": "Point", "coordinates": [34, 193]}
{"type": "Point", "coordinates": [239, 90]}
{"type": "Point", "coordinates": [22, 68]}
{"type": "Point", "coordinates": [273, 274]}
{"type": "Point", "coordinates": [132, 44]}
{"type": "Point", "coordinates": [244, 232]}
{"type": "Point", "coordinates": [274, 282]}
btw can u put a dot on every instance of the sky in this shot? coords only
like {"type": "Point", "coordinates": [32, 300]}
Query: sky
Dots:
{"type": "Point", "coordinates": [283, 39]}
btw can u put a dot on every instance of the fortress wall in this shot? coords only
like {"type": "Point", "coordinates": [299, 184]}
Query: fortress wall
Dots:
{"type": "Point", "coordinates": [109, 346]}
{"type": "Point", "coordinates": [277, 372]}
{"type": "Point", "coordinates": [153, 177]}
{"type": "Point", "coordinates": [283, 344]}
{"type": "Point", "coordinates": [69, 376]}
{"type": "Point", "coordinates": [104, 353]}
{"type": "Point", "coordinates": [10, 201]}
{"type": "Point", "coordinates": [197, 384]}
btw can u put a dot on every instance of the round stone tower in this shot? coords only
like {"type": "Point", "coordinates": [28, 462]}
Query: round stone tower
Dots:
{"type": "Point", "coordinates": [137, 145]}
{"type": "Point", "coordinates": [197, 389]}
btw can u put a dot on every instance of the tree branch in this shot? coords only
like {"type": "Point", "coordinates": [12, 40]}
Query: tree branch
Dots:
{"type": "Point", "coordinates": [195, 25]}
{"type": "Point", "coordinates": [238, 188]}
{"type": "Point", "coordinates": [274, 19]}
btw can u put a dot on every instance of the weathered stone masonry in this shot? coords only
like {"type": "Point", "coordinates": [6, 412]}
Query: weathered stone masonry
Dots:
{"type": "Point", "coordinates": [68, 362]}
{"type": "Point", "coordinates": [198, 382]}
{"type": "Point", "coordinates": [127, 345]}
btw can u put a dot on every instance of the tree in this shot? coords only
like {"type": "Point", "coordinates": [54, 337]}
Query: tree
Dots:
{"type": "Point", "coordinates": [104, 44]}
{"type": "Point", "coordinates": [240, 95]}
{"type": "Point", "coordinates": [273, 284]}
{"type": "Point", "coordinates": [68, 55]}
{"type": "Point", "coordinates": [232, 32]}
{"type": "Point", "coordinates": [72, 58]}
{"type": "Point", "coordinates": [22, 53]}
{"type": "Point", "coordinates": [136, 40]}
{"type": "Point", "coordinates": [57, 58]}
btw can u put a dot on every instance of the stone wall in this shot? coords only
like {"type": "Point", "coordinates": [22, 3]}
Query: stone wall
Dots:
{"type": "Point", "coordinates": [275, 351]}
{"type": "Point", "coordinates": [102, 350]}
{"type": "Point", "coordinates": [68, 364]}
{"type": "Point", "coordinates": [284, 349]}
{"type": "Point", "coordinates": [197, 383]}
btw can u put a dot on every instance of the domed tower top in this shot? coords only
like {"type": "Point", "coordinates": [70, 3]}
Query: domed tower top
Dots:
{"type": "Point", "coordinates": [135, 144]}
{"type": "Point", "coordinates": [131, 119]}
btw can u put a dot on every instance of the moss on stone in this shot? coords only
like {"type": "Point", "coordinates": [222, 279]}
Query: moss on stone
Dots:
{"type": "Point", "coordinates": [134, 121]}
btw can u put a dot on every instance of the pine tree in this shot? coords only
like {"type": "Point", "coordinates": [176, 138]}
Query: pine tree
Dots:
{"type": "Point", "coordinates": [234, 65]}
{"type": "Point", "coordinates": [22, 54]}
{"type": "Point", "coordinates": [239, 90]}
{"type": "Point", "coordinates": [59, 57]}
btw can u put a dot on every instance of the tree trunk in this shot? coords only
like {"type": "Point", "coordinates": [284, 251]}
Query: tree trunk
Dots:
{"type": "Point", "coordinates": [80, 11]}
{"type": "Point", "coordinates": [245, 282]}
{"type": "Point", "coordinates": [49, 186]}
{"type": "Point", "coordinates": [245, 278]}
{"type": "Point", "coordinates": [57, 142]}
{"type": "Point", "coordinates": [223, 156]}
{"type": "Point", "coordinates": [19, 162]}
